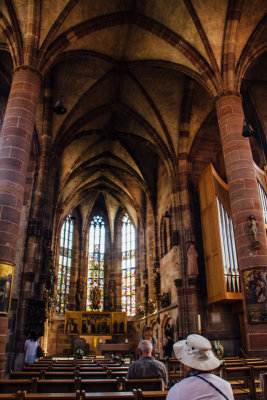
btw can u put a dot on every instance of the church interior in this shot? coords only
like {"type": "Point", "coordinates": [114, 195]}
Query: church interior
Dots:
{"type": "Point", "coordinates": [133, 174]}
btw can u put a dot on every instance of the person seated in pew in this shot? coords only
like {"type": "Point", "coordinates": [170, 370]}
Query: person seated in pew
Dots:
{"type": "Point", "coordinates": [147, 366]}
{"type": "Point", "coordinates": [198, 359]}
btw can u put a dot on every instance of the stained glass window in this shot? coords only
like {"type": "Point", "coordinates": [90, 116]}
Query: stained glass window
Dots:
{"type": "Point", "coordinates": [96, 265]}
{"type": "Point", "coordinates": [64, 267]}
{"type": "Point", "coordinates": [128, 267]}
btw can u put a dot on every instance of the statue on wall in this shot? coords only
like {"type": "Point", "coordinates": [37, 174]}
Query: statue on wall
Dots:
{"type": "Point", "coordinates": [192, 265]}
{"type": "Point", "coordinates": [79, 296]}
{"type": "Point", "coordinates": [95, 297]}
{"type": "Point", "coordinates": [253, 229]}
{"type": "Point", "coordinates": [112, 302]}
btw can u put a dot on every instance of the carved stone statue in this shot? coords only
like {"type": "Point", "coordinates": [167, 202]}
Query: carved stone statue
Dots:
{"type": "Point", "coordinates": [192, 255]}
{"type": "Point", "coordinates": [79, 296]}
{"type": "Point", "coordinates": [253, 227]}
{"type": "Point", "coordinates": [111, 299]}
{"type": "Point", "coordinates": [95, 297]}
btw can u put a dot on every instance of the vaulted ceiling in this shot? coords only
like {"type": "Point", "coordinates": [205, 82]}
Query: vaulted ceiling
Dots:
{"type": "Point", "coordinates": [124, 69]}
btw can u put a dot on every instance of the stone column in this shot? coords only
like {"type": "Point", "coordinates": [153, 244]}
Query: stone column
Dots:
{"type": "Point", "coordinates": [245, 201]}
{"type": "Point", "coordinates": [15, 144]}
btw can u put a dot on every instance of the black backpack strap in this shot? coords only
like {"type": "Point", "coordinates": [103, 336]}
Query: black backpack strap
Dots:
{"type": "Point", "coordinates": [211, 384]}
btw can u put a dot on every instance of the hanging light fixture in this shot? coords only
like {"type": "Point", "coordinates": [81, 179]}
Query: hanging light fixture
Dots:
{"type": "Point", "coordinates": [247, 130]}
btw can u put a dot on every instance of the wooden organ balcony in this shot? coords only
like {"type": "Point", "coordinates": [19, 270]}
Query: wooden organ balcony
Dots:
{"type": "Point", "coordinates": [222, 273]}
{"type": "Point", "coordinates": [262, 185]}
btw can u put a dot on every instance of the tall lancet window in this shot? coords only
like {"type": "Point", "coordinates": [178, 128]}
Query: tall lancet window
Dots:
{"type": "Point", "coordinates": [128, 266]}
{"type": "Point", "coordinates": [64, 267]}
{"type": "Point", "coordinates": [95, 297]}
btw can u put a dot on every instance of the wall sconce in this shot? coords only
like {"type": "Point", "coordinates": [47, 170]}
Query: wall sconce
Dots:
{"type": "Point", "coordinates": [167, 214]}
{"type": "Point", "coordinates": [59, 108]}
{"type": "Point", "coordinates": [247, 130]}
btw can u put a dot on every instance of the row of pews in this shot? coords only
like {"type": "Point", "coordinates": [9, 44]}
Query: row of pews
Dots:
{"type": "Point", "coordinates": [93, 379]}
{"type": "Point", "coordinates": [247, 376]}
{"type": "Point", "coordinates": [77, 380]}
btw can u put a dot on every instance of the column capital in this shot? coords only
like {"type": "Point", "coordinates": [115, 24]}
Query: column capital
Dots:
{"type": "Point", "coordinates": [25, 67]}
{"type": "Point", "coordinates": [227, 93]}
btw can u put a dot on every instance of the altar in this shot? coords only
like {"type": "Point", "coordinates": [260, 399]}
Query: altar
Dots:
{"type": "Point", "coordinates": [117, 349]}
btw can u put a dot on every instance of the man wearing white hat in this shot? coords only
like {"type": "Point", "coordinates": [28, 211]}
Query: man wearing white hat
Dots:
{"type": "Point", "coordinates": [197, 356]}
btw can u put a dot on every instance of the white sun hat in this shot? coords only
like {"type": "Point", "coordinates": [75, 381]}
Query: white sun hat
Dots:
{"type": "Point", "coordinates": [196, 352]}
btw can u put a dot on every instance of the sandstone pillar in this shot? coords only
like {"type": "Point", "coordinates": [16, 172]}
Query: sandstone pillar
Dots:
{"type": "Point", "coordinates": [15, 144]}
{"type": "Point", "coordinates": [244, 200]}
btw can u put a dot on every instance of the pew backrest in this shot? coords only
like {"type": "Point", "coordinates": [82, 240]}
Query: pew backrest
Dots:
{"type": "Point", "coordinates": [143, 384]}
{"type": "Point", "coordinates": [26, 374]}
{"type": "Point", "coordinates": [56, 385]}
{"type": "Point", "coordinates": [99, 385]}
{"type": "Point", "coordinates": [12, 386]}
{"type": "Point", "coordinates": [152, 395]}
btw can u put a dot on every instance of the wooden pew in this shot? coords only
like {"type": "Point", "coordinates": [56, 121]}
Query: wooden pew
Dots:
{"type": "Point", "coordinates": [13, 385]}
{"type": "Point", "coordinates": [56, 385]}
{"type": "Point", "coordinates": [63, 369]}
{"type": "Point", "coordinates": [240, 380]}
{"type": "Point", "coordinates": [10, 396]}
{"type": "Point", "coordinates": [116, 374]}
{"type": "Point", "coordinates": [60, 375]}
{"type": "Point", "coordinates": [36, 367]}
{"type": "Point", "coordinates": [81, 396]}
{"type": "Point", "coordinates": [133, 395]}
{"type": "Point", "coordinates": [112, 368]}
{"type": "Point", "coordinates": [256, 372]}
{"type": "Point", "coordinates": [151, 395]}
{"type": "Point", "coordinates": [256, 363]}
{"type": "Point", "coordinates": [91, 369]}
{"type": "Point", "coordinates": [264, 385]}
{"type": "Point", "coordinates": [143, 384]}
{"type": "Point", "coordinates": [99, 385]}
{"type": "Point", "coordinates": [49, 396]}
{"type": "Point", "coordinates": [26, 374]}
{"type": "Point", "coordinates": [95, 375]}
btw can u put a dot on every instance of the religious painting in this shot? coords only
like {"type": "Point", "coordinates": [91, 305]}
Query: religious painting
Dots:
{"type": "Point", "coordinates": [6, 281]}
{"type": "Point", "coordinates": [119, 323]}
{"type": "Point", "coordinates": [73, 322]}
{"type": "Point", "coordinates": [255, 285]}
{"type": "Point", "coordinates": [96, 323]}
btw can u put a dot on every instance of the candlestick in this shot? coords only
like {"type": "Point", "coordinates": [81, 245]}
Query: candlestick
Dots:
{"type": "Point", "coordinates": [199, 323]}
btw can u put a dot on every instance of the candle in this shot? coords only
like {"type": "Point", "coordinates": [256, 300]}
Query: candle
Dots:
{"type": "Point", "coordinates": [199, 323]}
{"type": "Point", "coordinates": [126, 340]}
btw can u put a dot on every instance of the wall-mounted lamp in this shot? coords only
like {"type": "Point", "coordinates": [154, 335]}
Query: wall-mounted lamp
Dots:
{"type": "Point", "coordinates": [167, 214]}
{"type": "Point", "coordinates": [247, 130]}
{"type": "Point", "coordinates": [59, 107]}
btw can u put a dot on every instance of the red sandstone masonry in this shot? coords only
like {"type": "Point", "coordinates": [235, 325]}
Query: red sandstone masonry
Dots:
{"type": "Point", "coordinates": [15, 142]}
{"type": "Point", "coordinates": [243, 191]}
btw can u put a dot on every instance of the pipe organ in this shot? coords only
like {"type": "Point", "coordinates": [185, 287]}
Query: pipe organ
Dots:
{"type": "Point", "coordinates": [222, 274]}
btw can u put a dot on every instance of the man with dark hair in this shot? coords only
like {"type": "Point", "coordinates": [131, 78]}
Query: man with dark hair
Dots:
{"type": "Point", "coordinates": [147, 366]}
